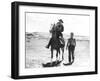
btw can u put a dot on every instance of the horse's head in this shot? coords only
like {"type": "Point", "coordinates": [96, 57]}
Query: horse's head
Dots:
{"type": "Point", "coordinates": [53, 31]}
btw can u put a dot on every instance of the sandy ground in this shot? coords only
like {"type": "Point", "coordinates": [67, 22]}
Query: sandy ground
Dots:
{"type": "Point", "coordinates": [36, 53]}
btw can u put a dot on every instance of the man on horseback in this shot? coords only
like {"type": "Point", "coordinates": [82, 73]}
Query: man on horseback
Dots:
{"type": "Point", "coordinates": [59, 28]}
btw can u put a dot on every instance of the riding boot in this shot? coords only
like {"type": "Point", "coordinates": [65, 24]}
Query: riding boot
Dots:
{"type": "Point", "coordinates": [49, 43]}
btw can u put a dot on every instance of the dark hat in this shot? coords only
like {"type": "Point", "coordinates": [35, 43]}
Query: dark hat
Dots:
{"type": "Point", "coordinates": [72, 33]}
{"type": "Point", "coordinates": [61, 20]}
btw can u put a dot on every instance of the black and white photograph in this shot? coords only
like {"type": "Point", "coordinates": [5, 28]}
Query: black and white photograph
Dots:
{"type": "Point", "coordinates": [56, 40]}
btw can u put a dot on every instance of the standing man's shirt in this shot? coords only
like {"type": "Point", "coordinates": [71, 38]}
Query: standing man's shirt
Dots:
{"type": "Point", "coordinates": [71, 42]}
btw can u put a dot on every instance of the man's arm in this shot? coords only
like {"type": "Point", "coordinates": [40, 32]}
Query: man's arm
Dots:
{"type": "Point", "coordinates": [62, 28]}
{"type": "Point", "coordinates": [67, 44]}
{"type": "Point", "coordinates": [75, 42]}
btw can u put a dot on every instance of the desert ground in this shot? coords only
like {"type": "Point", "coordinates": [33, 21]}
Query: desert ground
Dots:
{"type": "Point", "coordinates": [36, 53]}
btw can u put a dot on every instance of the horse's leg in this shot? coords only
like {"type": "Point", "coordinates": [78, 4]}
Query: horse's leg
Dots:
{"type": "Point", "coordinates": [62, 53]}
{"type": "Point", "coordinates": [51, 55]}
{"type": "Point", "coordinates": [57, 54]}
{"type": "Point", "coordinates": [59, 51]}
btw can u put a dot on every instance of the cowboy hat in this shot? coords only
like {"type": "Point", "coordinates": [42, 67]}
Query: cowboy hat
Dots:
{"type": "Point", "coordinates": [61, 20]}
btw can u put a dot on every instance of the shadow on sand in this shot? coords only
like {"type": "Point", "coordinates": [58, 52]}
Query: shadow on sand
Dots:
{"type": "Point", "coordinates": [70, 63]}
{"type": "Point", "coordinates": [53, 64]}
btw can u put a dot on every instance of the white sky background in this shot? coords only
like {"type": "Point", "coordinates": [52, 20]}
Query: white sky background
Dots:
{"type": "Point", "coordinates": [39, 22]}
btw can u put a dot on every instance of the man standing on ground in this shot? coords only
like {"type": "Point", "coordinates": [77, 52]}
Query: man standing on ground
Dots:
{"type": "Point", "coordinates": [71, 47]}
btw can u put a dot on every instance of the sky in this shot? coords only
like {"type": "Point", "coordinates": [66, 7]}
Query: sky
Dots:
{"type": "Point", "coordinates": [41, 22]}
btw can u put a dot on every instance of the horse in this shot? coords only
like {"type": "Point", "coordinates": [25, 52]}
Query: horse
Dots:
{"type": "Point", "coordinates": [56, 45]}
{"type": "Point", "coordinates": [62, 48]}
